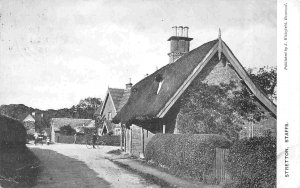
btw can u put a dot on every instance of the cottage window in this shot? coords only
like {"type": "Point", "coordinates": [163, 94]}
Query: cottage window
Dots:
{"type": "Point", "coordinates": [109, 116]}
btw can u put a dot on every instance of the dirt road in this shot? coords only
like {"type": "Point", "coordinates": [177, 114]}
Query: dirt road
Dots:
{"type": "Point", "coordinates": [68, 165]}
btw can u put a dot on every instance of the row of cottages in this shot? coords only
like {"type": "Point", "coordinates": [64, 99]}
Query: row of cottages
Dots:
{"type": "Point", "coordinates": [154, 102]}
{"type": "Point", "coordinates": [115, 99]}
{"type": "Point", "coordinates": [77, 124]}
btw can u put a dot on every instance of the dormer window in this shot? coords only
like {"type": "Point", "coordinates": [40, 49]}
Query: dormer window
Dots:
{"type": "Point", "coordinates": [160, 80]}
{"type": "Point", "coordinates": [159, 86]}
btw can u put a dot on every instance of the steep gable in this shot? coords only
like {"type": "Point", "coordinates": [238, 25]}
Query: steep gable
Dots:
{"type": "Point", "coordinates": [29, 118]}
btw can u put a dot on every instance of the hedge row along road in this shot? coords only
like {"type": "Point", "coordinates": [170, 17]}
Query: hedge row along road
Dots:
{"type": "Point", "coordinates": [70, 165]}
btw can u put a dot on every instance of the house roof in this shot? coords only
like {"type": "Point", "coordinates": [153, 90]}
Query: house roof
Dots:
{"type": "Point", "coordinates": [91, 124]}
{"type": "Point", "coordinates": [116, 95]}
{"type": "Point", "coordinates": [29, 118]}
{"type": "Point", "coordinates": [145, 102]}
{"type": "Point", "coordinates": [124, 100]}
{"type": "Point", "coordinates": [119, 98]}
{"type": "Point", "coordinates": [56, 123]}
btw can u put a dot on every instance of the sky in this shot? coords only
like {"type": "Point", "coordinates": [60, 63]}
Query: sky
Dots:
{"type": "Point", "coordinates": [53, 53]}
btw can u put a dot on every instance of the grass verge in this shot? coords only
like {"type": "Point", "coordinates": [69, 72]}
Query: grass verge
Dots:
{"type": "Point", "coordinates": [19, 167]}
{"type": "Point", "coordinates": [148, 177]}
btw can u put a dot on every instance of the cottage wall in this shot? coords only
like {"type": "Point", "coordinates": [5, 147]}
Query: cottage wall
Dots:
{"type": "Point", "coordinates": [136, 140]}
{"type": "Point", "coordinates": [109, 107]}
{"type": "Point", "coordinates": [217, 72]}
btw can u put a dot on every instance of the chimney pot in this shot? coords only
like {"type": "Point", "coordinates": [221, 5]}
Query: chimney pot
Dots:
{"type": "Point", "coordinates": [186, 31]}
{"type": "Point", "coordinates": [180, 30]}
{"type": "Point", "coordinates": [174, 30]}
{"type": "Point", "coordinates": [129, 85]}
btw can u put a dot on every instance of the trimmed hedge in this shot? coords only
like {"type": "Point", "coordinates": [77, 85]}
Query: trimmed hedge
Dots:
{"type": "Point", "coordinates": [185, 154]}
{"type": "Point", "coordinates": [12, 132]}
{"type": "Point", "coordinates": [252, 163]}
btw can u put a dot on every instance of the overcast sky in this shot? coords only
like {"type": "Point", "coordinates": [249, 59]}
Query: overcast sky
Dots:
{"type": "Point", "coordinates": [55, 52]}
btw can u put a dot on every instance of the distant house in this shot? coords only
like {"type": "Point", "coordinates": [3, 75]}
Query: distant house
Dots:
{"type": "Point", "coordinates": [114, 100]}
{"type": "Point", "coordinates": [153, 105]}
{"type": "Point", "coordinates": [34, 122]}
{"type": "Point", "coordinates": [29, 124]}
{"type": "Point", "coordinates": [77, 124]}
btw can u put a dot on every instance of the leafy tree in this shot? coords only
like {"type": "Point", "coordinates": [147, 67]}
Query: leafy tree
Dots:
{"type": "Point", "coordinates": [67, 130]}
{"type": "Point", "coordinates": [90, 102]}
{"type": "Point", "coordinates": [86, 108]}
{"type": "Point", "coordinates": [266, 79]}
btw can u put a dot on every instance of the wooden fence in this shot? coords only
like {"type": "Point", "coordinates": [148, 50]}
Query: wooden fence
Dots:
{"type": "Point", "coordinates": [220, 160]}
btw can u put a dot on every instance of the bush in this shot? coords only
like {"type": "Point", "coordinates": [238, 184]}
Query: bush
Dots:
{"type": "Point", "coordinates": [185, 154]}
{"type": "Point", "coordinates": [252, 162]}
{"type": "Point", "coordinates": [67, 130]}
{"type": "Point", "coordinates": [12, 132]}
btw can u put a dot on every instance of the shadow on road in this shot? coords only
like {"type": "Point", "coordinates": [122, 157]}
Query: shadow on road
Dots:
{"type": "Point", "coordinates": [58, 170]}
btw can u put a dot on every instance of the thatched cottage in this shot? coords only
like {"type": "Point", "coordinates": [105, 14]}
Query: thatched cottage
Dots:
{"type": "Point", "coordinates": [153, 104]}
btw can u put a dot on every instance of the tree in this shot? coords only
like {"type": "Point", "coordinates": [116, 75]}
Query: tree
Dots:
{"type": "Point", "coordinates": [67, 130]}
{"type": "Point", "coordinates": [86, 107]}
{"type": "Point", "coordinates": [90, 102]}
{"type": "Point", "coordinates": [266, 79]}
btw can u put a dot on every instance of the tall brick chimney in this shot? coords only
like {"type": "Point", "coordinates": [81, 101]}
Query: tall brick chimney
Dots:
{"type": "Point", "coordinates": [179, 43]}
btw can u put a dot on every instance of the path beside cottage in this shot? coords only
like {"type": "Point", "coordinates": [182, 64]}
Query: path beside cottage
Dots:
{"type": "Point", "coordinates": [69, 165]}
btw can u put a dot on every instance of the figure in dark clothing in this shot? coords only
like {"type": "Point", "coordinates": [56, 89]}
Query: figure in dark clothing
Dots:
{"type": "Point", "coordinates": [94, 139]}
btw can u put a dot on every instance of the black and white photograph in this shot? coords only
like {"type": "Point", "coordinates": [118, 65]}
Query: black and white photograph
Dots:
{"type": "Point", "coordinates": [149, 93]}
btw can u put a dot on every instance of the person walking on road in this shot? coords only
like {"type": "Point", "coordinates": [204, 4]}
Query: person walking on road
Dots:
{"type": "Point", "coordinates": [36, 136]}
{"type": "Point", "coordinates": [94, 139]}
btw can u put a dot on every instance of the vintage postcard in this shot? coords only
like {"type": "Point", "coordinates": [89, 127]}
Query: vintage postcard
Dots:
{"type": "Point", "coordinates": [157, 93]}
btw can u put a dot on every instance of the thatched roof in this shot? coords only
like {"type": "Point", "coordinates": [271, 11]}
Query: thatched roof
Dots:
{"type": "Point", "coordinates": [154, 96]}
{"type": "Point", "coordinates": [144, 100]}
{"type": "Point", "coordinates": [57, 123]}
